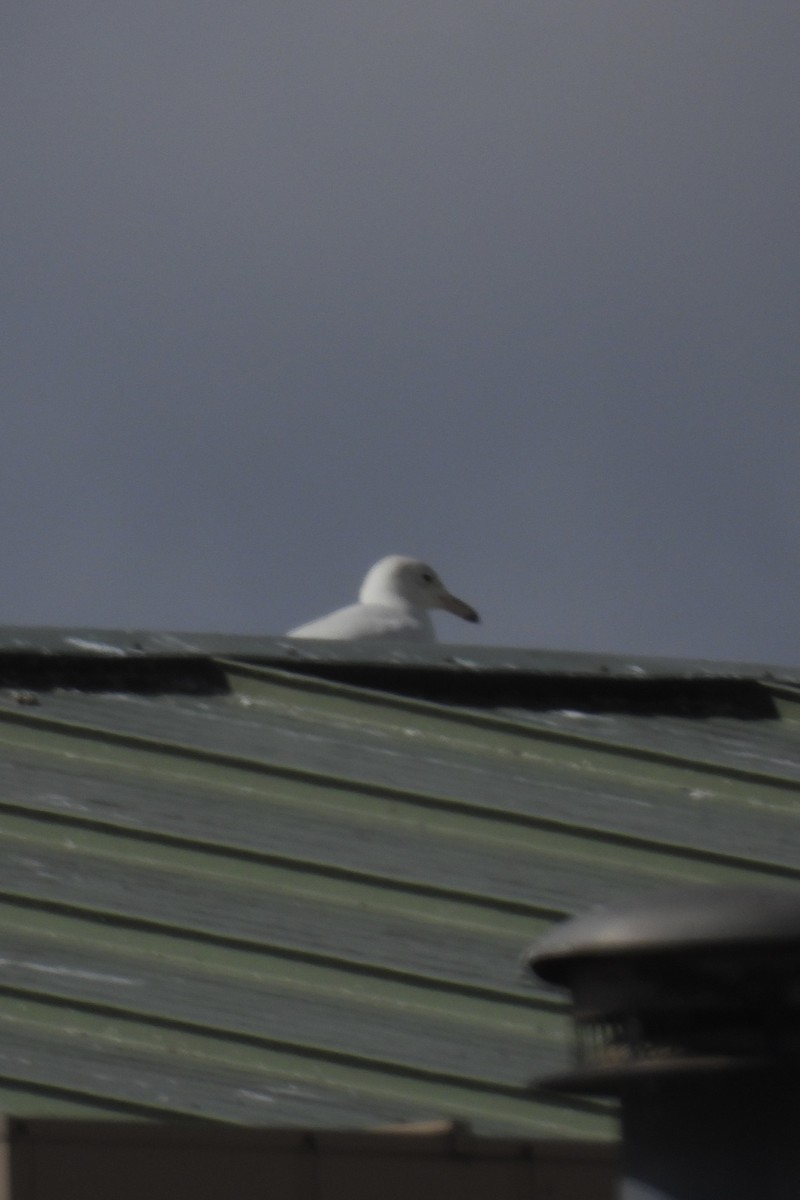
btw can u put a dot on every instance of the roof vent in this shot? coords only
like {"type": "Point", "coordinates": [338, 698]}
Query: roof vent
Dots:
{"type": "Point", "coordinates": [687, 1007]}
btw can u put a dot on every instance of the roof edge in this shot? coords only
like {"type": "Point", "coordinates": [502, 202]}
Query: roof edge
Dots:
{"type": "Point", "coordinates": [94, 643]}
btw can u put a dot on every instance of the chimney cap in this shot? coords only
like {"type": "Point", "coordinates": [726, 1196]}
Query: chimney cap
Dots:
{"type": "Point", "coordinates": [689, 920]}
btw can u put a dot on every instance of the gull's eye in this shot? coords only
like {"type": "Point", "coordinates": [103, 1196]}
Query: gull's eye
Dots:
{"type": "Point", "coordinates": [427, 577]}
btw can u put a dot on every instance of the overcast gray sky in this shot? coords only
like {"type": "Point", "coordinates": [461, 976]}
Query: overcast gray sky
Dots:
{"type": "Point", "coordinates": [513, 286]}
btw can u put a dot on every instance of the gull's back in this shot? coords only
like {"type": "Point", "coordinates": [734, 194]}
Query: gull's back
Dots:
{"type": "Point", "coordinates": [371, 622]}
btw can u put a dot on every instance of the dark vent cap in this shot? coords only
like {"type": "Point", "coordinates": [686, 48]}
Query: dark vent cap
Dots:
{"type": "Point", "coordinates": [693, 979]}
{"type": "Point", "coordinates": [689, 920]}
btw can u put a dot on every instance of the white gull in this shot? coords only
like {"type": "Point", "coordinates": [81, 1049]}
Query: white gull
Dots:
{"type": "Point", "coordinates": [393, 605]}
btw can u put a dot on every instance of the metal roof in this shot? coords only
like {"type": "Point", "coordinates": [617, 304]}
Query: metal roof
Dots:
{"type": "Point", "coordinates": [265, 884]}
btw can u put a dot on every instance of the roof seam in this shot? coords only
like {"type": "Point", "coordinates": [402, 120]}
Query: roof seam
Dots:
{"type": "Point", "coordinates": [187, 933]}
{"type": "Point", "coordinates": [602, 747]}
{"type": "Point", "coordinates": [408, 885]}
{"type": "Point", "coordinates": [289, 863]}
{"type": "Point", "coordinates": [361, 1062]}
{"type": "Point", "coordinates": [474, 717]}
{"type": "Point", "coordinates": [163, 1112]}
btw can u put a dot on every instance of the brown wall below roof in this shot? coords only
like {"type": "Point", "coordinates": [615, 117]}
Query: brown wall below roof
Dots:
{"type": "Point", "coordinates": [73, 1160]}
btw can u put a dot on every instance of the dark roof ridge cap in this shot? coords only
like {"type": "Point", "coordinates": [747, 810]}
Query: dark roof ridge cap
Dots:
{"type": "Point", "coordinates": [95, 643]}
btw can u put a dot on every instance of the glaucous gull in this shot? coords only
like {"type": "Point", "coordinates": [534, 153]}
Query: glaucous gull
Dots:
{"type": "Point", "coordinates": [393, 605]}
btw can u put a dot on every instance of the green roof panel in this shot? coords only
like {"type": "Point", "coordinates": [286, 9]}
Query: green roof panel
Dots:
{"type": "Point", "coordinates": [245, 882]}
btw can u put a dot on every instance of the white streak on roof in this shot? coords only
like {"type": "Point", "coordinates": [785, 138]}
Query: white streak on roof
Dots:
{"type": "Point", "coordinates": [96, 647]}
{"type": "Point", "coordinates": [248, 1095]}
{"type": "Point", "coordinates": [58, 801]}
{"type": "Point", "coordinates": [74, 973]}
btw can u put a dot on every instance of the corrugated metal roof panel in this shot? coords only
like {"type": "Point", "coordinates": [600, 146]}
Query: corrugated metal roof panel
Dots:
{"type": "Point", "coordinates": [231, 890]}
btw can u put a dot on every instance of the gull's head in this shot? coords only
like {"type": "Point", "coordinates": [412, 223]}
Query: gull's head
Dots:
{"type": "Point", "coordinates": [407, 581]}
